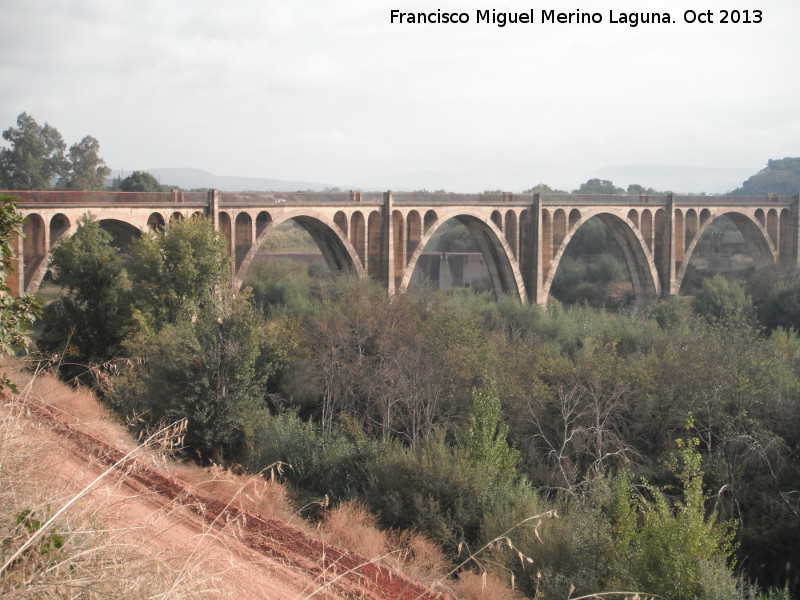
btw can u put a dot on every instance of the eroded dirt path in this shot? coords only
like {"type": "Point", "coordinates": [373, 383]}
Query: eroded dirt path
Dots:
{"type": "Point", "coordinates": [249, 556]}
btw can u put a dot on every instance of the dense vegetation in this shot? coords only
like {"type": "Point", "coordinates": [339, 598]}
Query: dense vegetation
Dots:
{"type": "Point", "coordinates": [664, 441]}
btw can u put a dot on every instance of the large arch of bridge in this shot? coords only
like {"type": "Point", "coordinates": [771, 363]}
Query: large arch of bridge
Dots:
{"type": "Point", "coordinates": [336, 249]}
{"type": "Point", "coordinates": [638, 258]}
{"type": "Point", "coordinates": [755, 234]}
{"type": "Point", "coordinates": [60, 226]}
{"type": "Point", "coordinates": [497, 254]}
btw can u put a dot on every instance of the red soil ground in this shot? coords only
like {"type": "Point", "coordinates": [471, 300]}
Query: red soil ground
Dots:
{"type": "Point", "coordinates": [251, 556]}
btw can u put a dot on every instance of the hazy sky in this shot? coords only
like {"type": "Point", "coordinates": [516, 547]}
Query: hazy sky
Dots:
{"type": "Point", "coordinates": [331, 91]}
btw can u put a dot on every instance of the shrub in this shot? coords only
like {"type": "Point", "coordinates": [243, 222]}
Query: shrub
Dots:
{"type": "Point", "coordinates": [319, 462]}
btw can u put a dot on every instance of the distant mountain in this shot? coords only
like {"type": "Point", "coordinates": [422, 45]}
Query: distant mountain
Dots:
{"type": "Point", "coordinates": [675, 178]}
{"type": "Point", "coordinates": [188, 179]}
{"type": "Point", "coordinates": [782, 176]}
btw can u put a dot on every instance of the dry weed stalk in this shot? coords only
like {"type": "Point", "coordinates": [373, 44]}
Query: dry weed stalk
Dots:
{"type": "Point", "coordinates": [173, 428]}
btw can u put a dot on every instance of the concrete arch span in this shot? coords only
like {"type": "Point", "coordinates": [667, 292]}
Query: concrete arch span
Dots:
{"type": "Point", "coordinates": [336, 249]}
{"type": "Point", "coordinates": [638, 258]}
{"type": "Point", "coordinates": [37, 260]}
{"type": "Point", "coordinates": [497, 254]}
{"type": "Point", "coordinates": [753, 229]}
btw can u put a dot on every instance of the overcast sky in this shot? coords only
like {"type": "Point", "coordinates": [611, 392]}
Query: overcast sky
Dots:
{"type": "Point", "coordinates": [330, 91]}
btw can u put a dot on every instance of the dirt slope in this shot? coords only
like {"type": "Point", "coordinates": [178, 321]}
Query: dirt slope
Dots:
{"type": "Point", "coordinates": [249, 556]}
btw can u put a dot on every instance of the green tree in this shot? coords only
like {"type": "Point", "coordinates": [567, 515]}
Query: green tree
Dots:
{"type": "Point", "coordinates": [208, 367]}
{"type": "Point", "coordinates": [177, 269]}
{"type": "Point", "coordinates": [781, 308]}
{"type": "Point", "coordinates": [140, 181]}
{"type": "Point", "coordinates": [16, 312]}
{"type": "Point", "coordinates": [720, 298]}
{"type": "Point", "coordinates": [484, 438]}
{"type": "Point", "coordinates": [87, 325]}
{"type": "Point", "coordinates": [598, 186]}
{"type": "Point", "coordinates": [35, 158]}
{"type": "Point", "coordinates": [87, 171]}
{"type": "Point", "coordinates": [671, 549]}
{"type": "Point", "coordinates": [543, 188]}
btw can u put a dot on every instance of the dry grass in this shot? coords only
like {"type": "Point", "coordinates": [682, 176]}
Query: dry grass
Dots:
{"type": "Point", "coordinates": [350, 525]}
{"type": "Point", "coordinates": [78, 403]}
{"type": "Point", "coordinates": [420, 558]}
{"type": "Point", "coordinates": [252, 493]}
{"type": "Point", "coordinates": [472, 586]}
{"type": "Point", "coordinates": [83, 554]}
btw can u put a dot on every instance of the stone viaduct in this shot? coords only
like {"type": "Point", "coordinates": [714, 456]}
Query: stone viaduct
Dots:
{"type": "Point", "coordinates": [381, 235]}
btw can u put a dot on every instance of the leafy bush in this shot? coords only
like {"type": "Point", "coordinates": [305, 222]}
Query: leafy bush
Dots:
{"type": "Point", "coordinates": [720, 298]}
{"type": "Point", "coordinates": [319, 462]}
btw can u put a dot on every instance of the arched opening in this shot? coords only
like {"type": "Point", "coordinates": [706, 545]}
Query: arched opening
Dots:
{"type": "Point", "coordinates": [358, 235]}
{"type": "Point", "coordinates": [730, 245]}
{"type": "Point", "coordinates": [660, 244]}
{"type": "Point", "coordinates": [559, 228]}
{"type": "Point", "coordinates": [176, 216]}
{"type": "Point", "coordinates": [465, 252]}
{"type": "Point", "coordinates": [374, 244]}
{"type": "Point", "coordinates": [399, 240]}
{"type": "Point", "coordinates": [547, 242]}
{"type": "Point", "coordinates": [691, 225]}
{"type": "Point", "coordinates": [263, 219]}
{"type": "Point", "coordinates": [122, 234]}
{"type": "Point", "coordinates": [497, 219]}
{"type": "Point", "coordinates": [679, 235]}
{"type": "Point", "coordinates": [288, 256]}
{"type": "Point", "coordinates": [244, 236]}
{"type": "Point", "coordinates": [785, 236]}
{"type": "Point", "coordinates": [633, 217]}
{"type": "Point", "coordinates": [59, 225]}
{"type": "Point", "coordinates": [414, 233]}
{"type": "Point", "coordinates": [156, 221]}
{"type": "Point", "coordinates": [430, 219]}
{"type": "Point", "coordinates": [511, 231]}
{"type": "Point", "coordinates": [772, 226]}
{"type": "Point", "coordinates": [33, 244]}
{"type": "Point", "coordinates": [603, 265]}
{"type": "Point", "coordinates": [293, 254]}
{"type": "Point", "coordinates": [526, 251]}
{"type": "Point", "coordinates": [226, 230]}
{"type": "Point", "coordinates": [647, 228]}
{"type": "Point", "coordinates": [574, 217]}
{"type": "Point", "coordinates": [341, 221]}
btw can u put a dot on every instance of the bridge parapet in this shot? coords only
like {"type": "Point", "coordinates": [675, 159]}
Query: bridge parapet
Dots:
{"type": "Point", "coordinates": [301, 198]}
{"type": "Point", "coordinates": [91, 198]}
{"type": "Point", "coordinates": [603, 199]}
{"type": "Point", "coordinates": [448, 199]}
{"type": "Point", "coordinates": [739, 201]}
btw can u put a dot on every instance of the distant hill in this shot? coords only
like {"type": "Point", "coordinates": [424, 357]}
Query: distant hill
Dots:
{"type": "Point", "coordinates": [782, 176]}
{"type": "Point", "coordinates": [188, 179]}
{"type": "Point", "coordinates": [676, 178]}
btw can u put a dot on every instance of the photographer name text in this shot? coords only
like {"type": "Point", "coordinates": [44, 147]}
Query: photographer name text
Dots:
{"type": "Point", "coordinates": [578, 17]}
